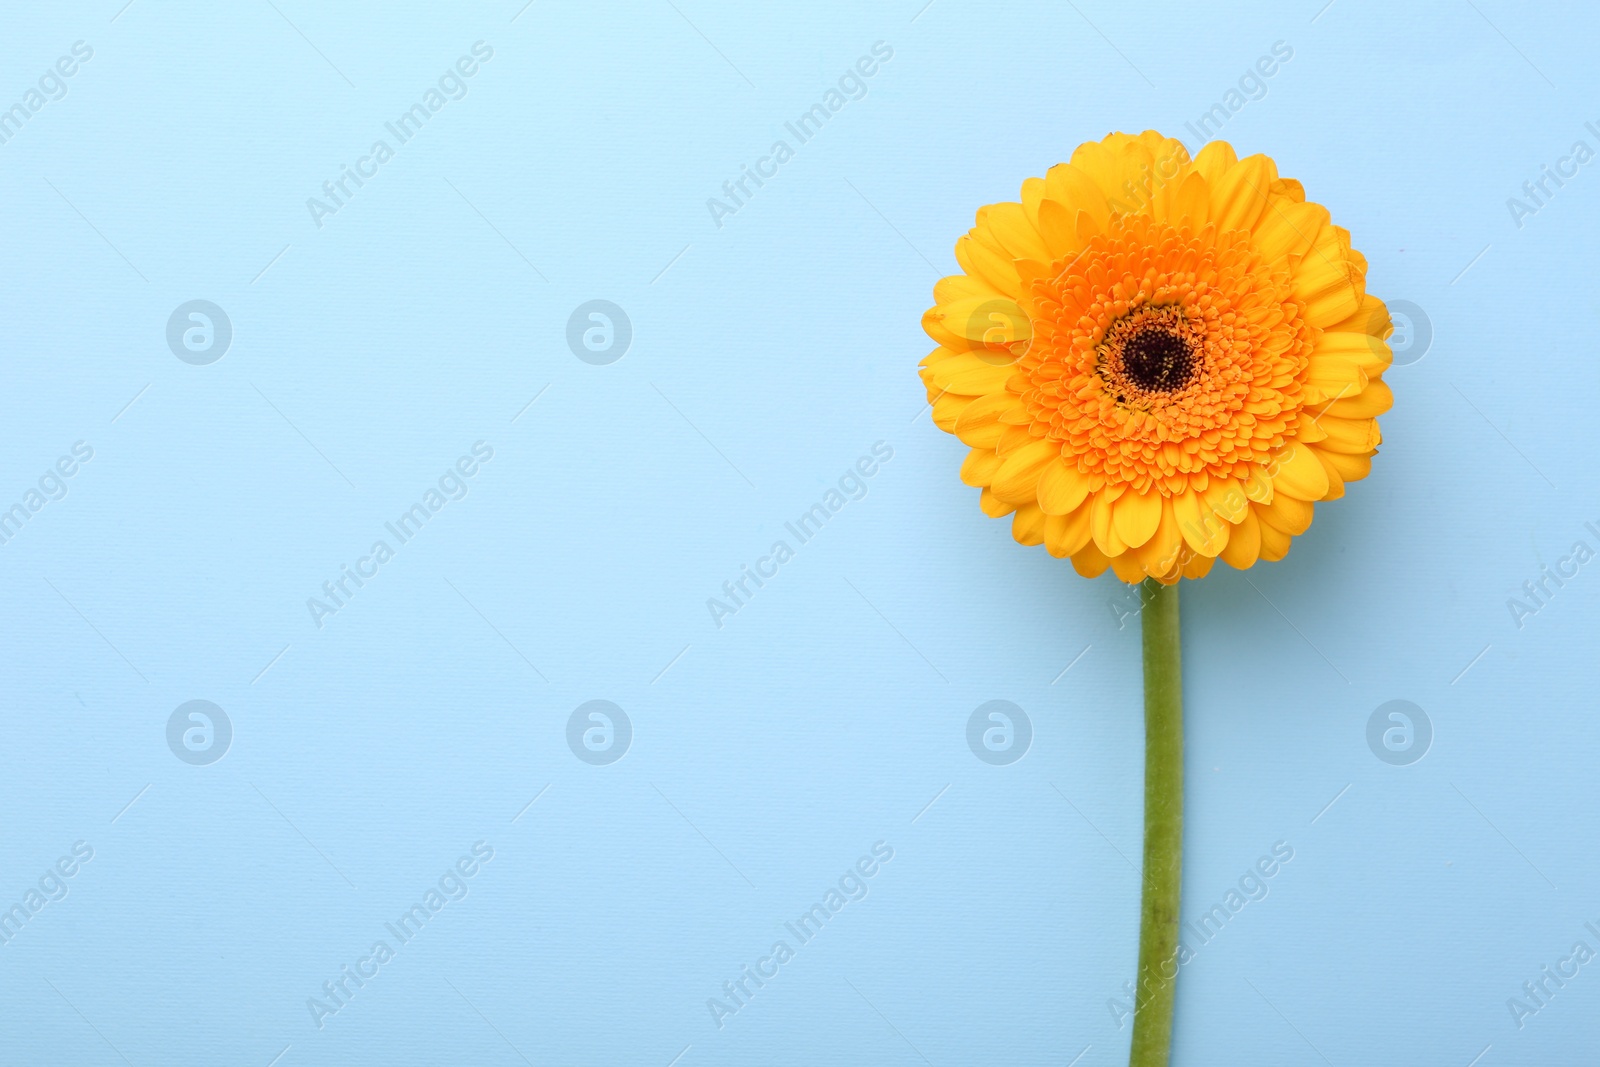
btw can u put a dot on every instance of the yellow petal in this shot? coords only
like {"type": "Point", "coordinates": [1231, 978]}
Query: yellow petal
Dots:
{"type": "Point", "coordinates": [1291, 188]}
{"type": "Point", "coordinates": [1032, 270]}
{"type": "Point", "coordinates": [1202, 531]}
{"type": "Point", "coordinates": [1164, 554]}
{"type": "Point", "coordinates": [1351, 467]}
{"type": "Point", "coordinates": [1184, 202]}
{"type": "Point", "coordinates": [979, 424]}
{"type": "Point", "coordinates": [1258, 487]}
{"type": "Point", "coordinates": [953, 287]}
{"type": "Point", "coordinates": [993, 506]}
{"type": "Point", "coordinates": [1133, 179]}
{"type": "Point", "coordinates": [1372, 401]}
{"type": "Point", "coordinates": [1215, 160]}
{"type": "Point", "coordinates": [1100, 526]}
{"type": "Point", "coordinates": [1244, 543]}
{"type": "Point", "coordinates": [1274, 543]}
{"type": "Point", "coordinates": [1009, 225]}
{"type": "Point", "coordinates": [1288, 514]}
{"type": "Point", "coordinates": [1354, 436]}
{"type": "Point", "coordinates": [1288, 230]}
{"type": "Point", "coordinates": [1100, 166]}
{"type": "Point", "coordinates": [1240, 196]}
{"type": "Point", "coordinates": [987, 263]}
{"type": "Point", "coordinates": [1014, 438]}
{"type": "Point", "coordinates": [1335, 373]}
{"type": "Point", "coordinates": [1017, 481]}
{"type": "Point", "coordinates": [1088, 227]}
{"type": "Point", "coordinates": [1061, 488]}
{"type": "Point", "coordinates": [1136, 516]}
{"type": "Point", "coordinates": [1335, 479]}
{"type": "Point", "coordinates": [985, 320]}
{"type": "Point", "coordinates": [1371, 318]}
{"type": "Point", "coordinates": [980, 467]}
{"type": "Point", "coordinates": [965, 373]}
{"type": "Point", "coordinates": [1032, 197]}
{"type": "Point", "coordinates": [1089, 561]}
{"type": "Point", "coordinates": [1074, 191]}
{"type": "Point", "coordinates": [1224, 497]}
{"type": "Point", "coordinates": [1371, 354]}
{"type": "Point", "coordinates": [1298, 474]}
{"type": "Point", "coordinates": [1324, 283]}
{"type": "Point", "coordinates": [1027, 525]}
{"type": "Point", "coordinates": [1066, 534]}
{"type": "Point", "coordinates": [1058, 229]}
{"type": "Point", "coordinates": [1306, 430]}
{"type": "Point", "coordinates": [1128, 568]}
{"type": "Point", "coordinates": [947, 409]}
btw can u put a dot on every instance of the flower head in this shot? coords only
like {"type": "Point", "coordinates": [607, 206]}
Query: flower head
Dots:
{"type": "Point", "coordinates": [1158, 361]}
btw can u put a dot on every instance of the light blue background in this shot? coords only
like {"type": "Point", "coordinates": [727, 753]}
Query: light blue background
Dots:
{"type": "Point", "coordinates": [767, 355]}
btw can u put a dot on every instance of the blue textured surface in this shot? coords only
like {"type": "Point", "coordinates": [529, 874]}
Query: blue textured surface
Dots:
{"type": "Point", "coordinates": [420, 314]}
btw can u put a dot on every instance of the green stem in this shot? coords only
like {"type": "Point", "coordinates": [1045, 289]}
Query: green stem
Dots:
{"type": "Point", "coordinates": [1163, 827]}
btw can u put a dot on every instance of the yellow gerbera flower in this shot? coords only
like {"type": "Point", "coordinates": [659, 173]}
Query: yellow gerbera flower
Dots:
{"type": "Point", "coordinates": [1158, 361]}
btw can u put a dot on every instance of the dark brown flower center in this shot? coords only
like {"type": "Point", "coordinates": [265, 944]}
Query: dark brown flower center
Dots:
{"type": "Point", "coordinates": [1158, 361]}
